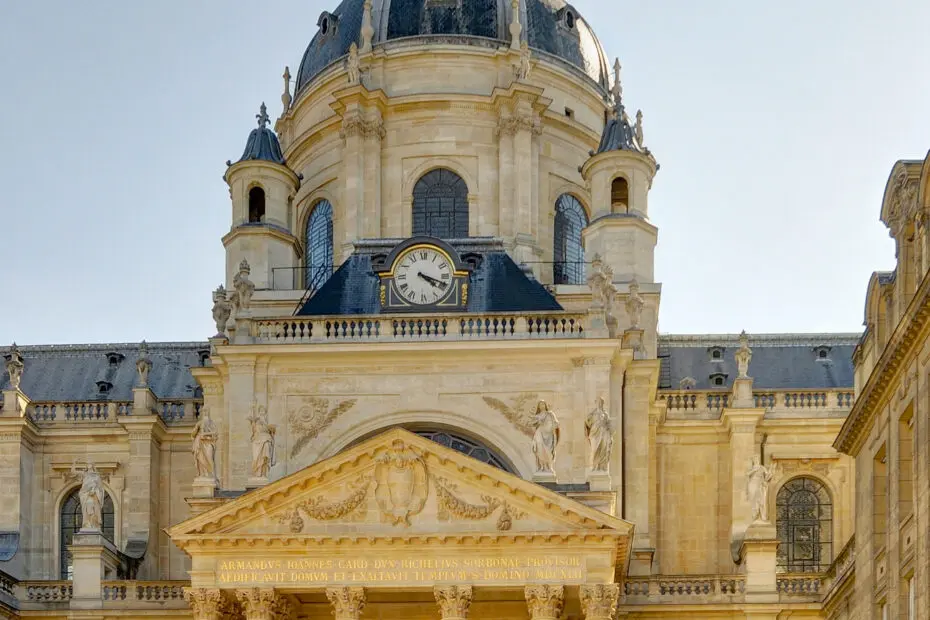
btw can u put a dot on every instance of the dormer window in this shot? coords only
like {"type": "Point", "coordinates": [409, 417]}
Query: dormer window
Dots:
{"type": "Point", "coordinates": [716, 354]}
{"type": "Point", "coordinates": [327, 24]}
{"type": "Point", "coordinates": [688, 383]}
{"type": "Point", "coordinates": [822, 354]}
{"type": "Point", "coordinates": [115, 358]}
{"type": "Point", "coordinates": [718, 379]}
{"type": "Point", "coordinates": [104, 387]}
{"type": "Point", "coordinates": [204, 355]}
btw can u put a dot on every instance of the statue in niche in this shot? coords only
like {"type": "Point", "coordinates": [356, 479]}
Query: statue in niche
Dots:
{"type": "Point", "coordinates": [600, 437]}
{"type": "Point", "coordinates": [758, 479]}
{"type": "Point", "coordinates": [545, 437]}
{"type": "Point", "coordinates": [242, 297]}
{"type": "Point", "coordinates": [92, 496]}
{"type": "Point", "coordinates": [222, 309]}
{"type": "Point", "coordinates": [354, 65]}
{"type": "Point", "coordinates": [743, 356]}
{"type": "Point", "coordinates": [204, 436]}
{"type": "Point", "coordinates": [263, 457]}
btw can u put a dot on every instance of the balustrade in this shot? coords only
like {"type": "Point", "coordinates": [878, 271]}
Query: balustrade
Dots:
{"type": "Point", "coordinates": [698, 403]}
{"type": "Point", "coordinates": [418, 327]}
{"type": "Point", "coordinates": [44, 591]}
{"type": "Point", "coordinates": [145, 591]}
{"type": "Point", "coordinates": [684, 589]}
{"type": "Point", "coordinates": [172, 411]}
{"type": "Point", "coordinates": [800, 584]}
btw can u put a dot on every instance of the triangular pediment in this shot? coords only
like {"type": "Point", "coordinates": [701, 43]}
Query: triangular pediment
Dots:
{"type": "Point", "coordinates": [399, 484]}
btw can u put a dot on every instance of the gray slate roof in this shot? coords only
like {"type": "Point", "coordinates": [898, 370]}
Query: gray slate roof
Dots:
{"type": "Point", "coordinates": [263, 145]}
{"type": "Point", "coordinates": [779, 361]}
{"type": "Point", "coordinates": [71, 372]}
{"type": "Point", "coordinates": [544, 28]}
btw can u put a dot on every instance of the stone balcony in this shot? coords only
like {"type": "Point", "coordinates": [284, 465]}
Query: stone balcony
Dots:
{"type": "Point", "coordinates": [708, 405]}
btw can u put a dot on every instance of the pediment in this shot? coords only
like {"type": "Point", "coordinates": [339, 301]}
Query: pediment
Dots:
{"type": "Point", "coordinates": [398, 484]}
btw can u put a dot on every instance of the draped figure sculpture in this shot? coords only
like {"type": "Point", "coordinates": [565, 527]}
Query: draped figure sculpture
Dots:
{"type": "Point", "coordinates": [263, 457]}
{"type": "Point", "coordinates": [92, 496]}
{"type": "Point", "coordinates": [758, 479]}
{"type": "Point", "coordinates": [600, 437]}
{"type": "Point", "coordinates": [545, 438]}
{"type": "Point", "coordinates": [204, 436]}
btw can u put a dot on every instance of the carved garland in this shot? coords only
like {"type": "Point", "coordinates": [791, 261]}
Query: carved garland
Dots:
{"type": "Point", "coordinates": [451, 506]}
{"type": "Point", "coordinates": [316, 509]}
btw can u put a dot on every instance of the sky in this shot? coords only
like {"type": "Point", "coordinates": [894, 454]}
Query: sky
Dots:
{"type": "Point", "coordinates": [776, 125]}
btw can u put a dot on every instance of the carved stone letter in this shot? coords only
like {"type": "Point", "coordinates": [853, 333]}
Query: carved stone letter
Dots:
{"type": "Point", "coordinates": [545, 602]}
{"type": "Point", "coordinates": [347, 603]}
{"type": "Point", "coordinates": [599, 602]}
{"type": "Point", "coordinates": [453, 601]}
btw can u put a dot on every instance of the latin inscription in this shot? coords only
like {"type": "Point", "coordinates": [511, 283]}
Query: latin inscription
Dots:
{"type": "Point", "coordinates": [477, 569]}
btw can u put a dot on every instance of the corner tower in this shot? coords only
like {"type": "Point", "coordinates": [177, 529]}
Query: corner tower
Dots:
{"type": "Point", "coordinates": [262, 188]}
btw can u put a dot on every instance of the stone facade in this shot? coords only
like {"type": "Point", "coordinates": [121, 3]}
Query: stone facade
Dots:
{"type": "Point", "coordinates": [328, 492]}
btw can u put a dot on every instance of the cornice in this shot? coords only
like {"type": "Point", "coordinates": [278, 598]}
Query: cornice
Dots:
{"type": "Point", "coordinates": [908, 336]}
{"type": "Point", "coordinates": [263, 231]}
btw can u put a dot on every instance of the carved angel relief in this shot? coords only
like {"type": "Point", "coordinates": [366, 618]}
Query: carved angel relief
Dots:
{"type": "Point", "coordinates": [309, 421]}
{"type": "Point", "coordinates": [519, 413]}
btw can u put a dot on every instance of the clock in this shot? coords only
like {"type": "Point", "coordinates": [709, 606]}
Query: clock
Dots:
{"type": "Point", "coordinates": [424, 275]}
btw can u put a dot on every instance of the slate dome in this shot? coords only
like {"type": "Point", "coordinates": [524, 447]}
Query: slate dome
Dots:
{"type": "Point", "coordinates": [553, 27]}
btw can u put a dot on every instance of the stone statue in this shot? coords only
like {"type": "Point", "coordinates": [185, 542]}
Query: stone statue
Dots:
{"type": "Point", "coordinates": [143, 364]}
{"type": "Point", "coordinates": [600, 279]}
{"type": "Point", "coordinates": [15, 366]}
{"type": "Point", "coordinates": [545, 438]}
{"type": "Point", "coordinates": [523, 72]}
{"type": "Point", "coordinates": [600, 437]}
{"type": "Point", "coordinates": [743, 356]}
{"type": "Point", "coordinates": [757, 489]}
{"type": "Point", "coordinates": [204, 436]}
{"type": "Point", "coordinates": [286, 95]}
{"type": "Point", "coordinates": [242, 298]}
{"type": "Point", "coordinates": [92, 496]}
{"type": "Point", "coordinates": [354, 65]}
{"type": "Point", "coordinates": [638, 129]}
{"type": "Point", "coordinates": [634, 305]}
{"type": "Point", "coordinates": [222, 309]}
{"type": "Point", "coordinates": [263, 457]}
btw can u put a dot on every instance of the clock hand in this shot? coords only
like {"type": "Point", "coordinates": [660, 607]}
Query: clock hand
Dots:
{"type": "Point", "coordinates": [432, 281]}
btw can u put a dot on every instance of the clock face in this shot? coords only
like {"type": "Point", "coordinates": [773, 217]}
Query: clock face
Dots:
{"type": "Point", "coordinates": [423, 275]}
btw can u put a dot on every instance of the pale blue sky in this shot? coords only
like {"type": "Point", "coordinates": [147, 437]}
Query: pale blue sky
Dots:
{"type": "Point", "coordinates": [776, 124]}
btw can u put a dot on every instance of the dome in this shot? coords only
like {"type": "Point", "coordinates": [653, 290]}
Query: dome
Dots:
{"type": "Point", "coordinates": [549, 26]}
{"type": "Point", "coordinates": [262, 143]}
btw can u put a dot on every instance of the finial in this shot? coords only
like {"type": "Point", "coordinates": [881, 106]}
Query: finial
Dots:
{"type": "Point", "coordinates": [286, 96]}
{"type": "Point", "coordinates": [515, 26]}
{"type": "Point", "coordinates": [638, 129]}
{"type": "Point", "coordinates": [262, 116]}
{"type": "Point", "coordinates": [368, 32]}
{"type": "Point", "coordinates": [618, 87]}
{"type": "Point", "coordinates": [244, 266]}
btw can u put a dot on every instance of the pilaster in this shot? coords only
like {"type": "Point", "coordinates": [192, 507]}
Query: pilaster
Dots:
{"type": "Point", "coordinates": [545, 602]}
{"type": "Point", "coordinates": [453, 601]}
{"type": "Point", "coordinates": [95, 560]}
{"type": "Point", "coordinates": [18, 436]}
{"type": "Point", "coordinates": [596, 384]}
{"type": "Point", "coordinates": [347, 603]}
{"type": "Point", "coordinates": [599, 602]}
{"type": "Point", "coordinates": [15, 404]}
{"type": "Point", "coordinates": [640, 384]}
{"type": "Point", "coordinates": [240, 391]}
{"type": "Point", "coordinates": [758, 562]}
{"type": "Point", "coordinates": [741, 424]}
{"type": "Point", "coordinates": [140, 511]}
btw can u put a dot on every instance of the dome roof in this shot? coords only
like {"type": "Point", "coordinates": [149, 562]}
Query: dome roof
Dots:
{"type": "Point", "coordinates": [550, 26]}
{"type": "Point", "coordinates": [263, 143]}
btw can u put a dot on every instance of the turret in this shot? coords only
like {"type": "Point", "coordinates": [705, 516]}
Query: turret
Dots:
{"type": "Point", "coordinates": [619, 175]}
{"type": "Point", "coordinates": [262, 188]}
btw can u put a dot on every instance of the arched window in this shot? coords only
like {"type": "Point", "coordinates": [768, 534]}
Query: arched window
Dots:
{"type": "Point", "coordinates": [440, 205]}
{"type": "Point", "coordinates": [318, 245]}
{"type": "Point", "coordinates": [256, 205]}
{"type": "Point", "coordinates": [568, 252]}
{"type": "Point", "coordinates": [619, 196]}
{"type": "Point", "coordinates": [804, 521]}
{"type": "Point", "coordinates": [70, 521]}
{"type": "Point", "coordinates": [464, 445]}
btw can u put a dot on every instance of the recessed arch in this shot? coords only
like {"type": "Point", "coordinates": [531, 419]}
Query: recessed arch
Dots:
{"type": "Point", "coordinates": [568, 259]}
{"type": "Point", "coordinates": [318, 244]}
{"type": "Point", "coordinates": [804, 524]}
{"type": "Point", "coordinates": [256, 204]}
{"type": "Point", "coordinates": [69, 519]}
{"type": "Point", "coordinates": [620, 195]}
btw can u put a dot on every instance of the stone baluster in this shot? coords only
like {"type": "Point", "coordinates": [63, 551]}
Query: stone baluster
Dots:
{"type": "Point", "coordinates": [599, 602]}
{"type": "Point", "coordinates": [453, 601]}
{"type": "Point", "coordinates": [347, 603]}
{"type": "Point", "coordinates": [545, 602]}
{"type": "Point", "coordinates": [207, 603]}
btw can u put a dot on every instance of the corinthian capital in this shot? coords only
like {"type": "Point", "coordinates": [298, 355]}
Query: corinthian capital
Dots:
{"type": "Point", "coordinates": [453, 601]}
{"type": "Point", "coordinates": [206, 604]}
{"type": "Point", "coordinates": [347, 603]}
{"type": "Point", "coordinates": [260, 603]}
{"type": "Point", "coordinates": [599, 602]}
{"type": "Point", "coordinates": [545, 602]}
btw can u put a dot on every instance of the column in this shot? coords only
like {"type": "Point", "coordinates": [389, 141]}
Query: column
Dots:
{"type": "Point", "coordinates": [353, 166]}
{"type": "Point", "coordinates": [264, 604]}
{"type": "Point", "coordinates": [373, 132]}
{"type": "Point", "coordinates": [347, 603]}
{"type": "Point", "coordinates": [638, 394]}
{"type": "Point", "coordinates": [453, 601]}
{"type": "Point", "coordinates": [545, 602]}
{"type": "Point", "coordinates": [599, 602]}
{"type": "Point", "coordinates": [207, 603]}
{"type": "Point", "coordinates": [741, 424]}
{"type": "Point", "coordinates": [505, 176]}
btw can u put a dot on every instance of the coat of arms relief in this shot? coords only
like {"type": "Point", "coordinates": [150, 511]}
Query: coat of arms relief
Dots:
{"type": "Point", "coordinates": [399, 487]}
